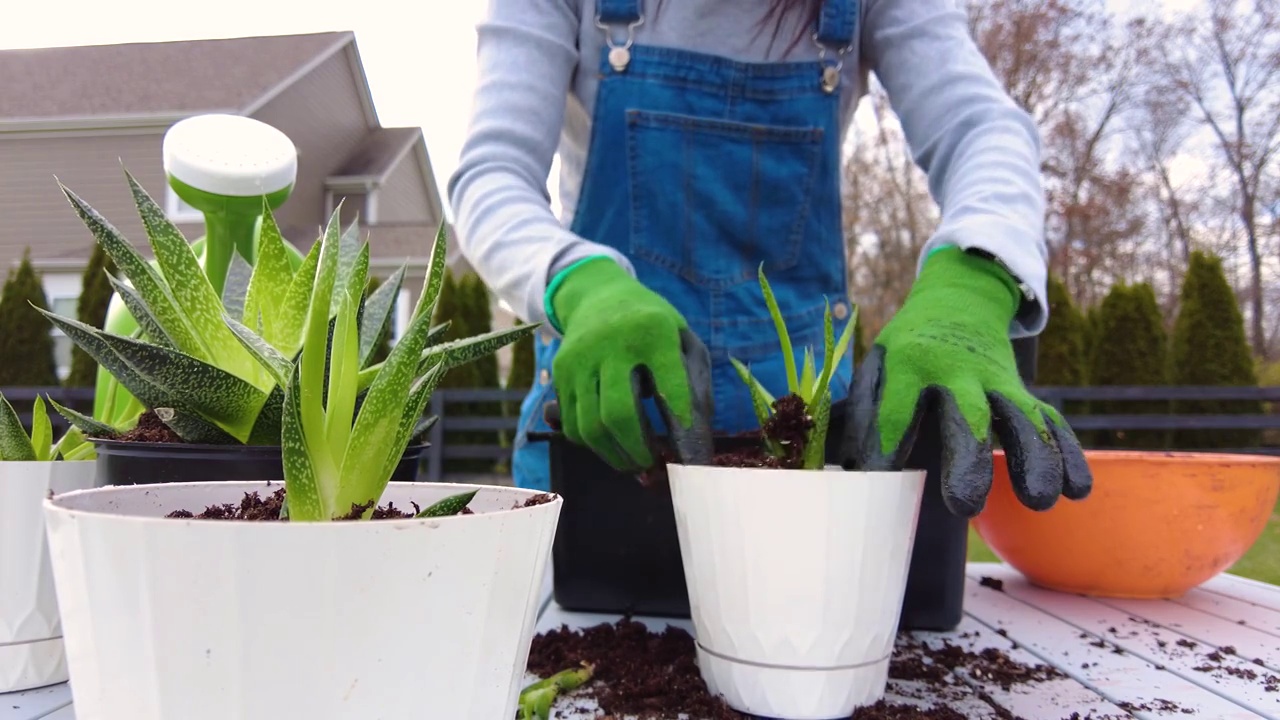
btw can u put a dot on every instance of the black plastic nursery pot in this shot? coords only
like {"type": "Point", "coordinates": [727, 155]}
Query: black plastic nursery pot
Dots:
{"type": "Point", "coordinates": [617, 550]}
{"type": "Point", "coordinates": [148, 463]}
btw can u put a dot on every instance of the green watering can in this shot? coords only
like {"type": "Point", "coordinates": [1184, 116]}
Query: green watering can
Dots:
{"type": "Point", "coordinates": [223, 166]}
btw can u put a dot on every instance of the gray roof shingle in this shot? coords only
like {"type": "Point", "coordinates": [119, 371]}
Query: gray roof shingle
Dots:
{"type": "Point", "coordinates": [183, 77]}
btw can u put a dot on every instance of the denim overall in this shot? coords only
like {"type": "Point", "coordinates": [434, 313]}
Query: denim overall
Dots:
{"type": "Point", "coordinates": [701, 169]}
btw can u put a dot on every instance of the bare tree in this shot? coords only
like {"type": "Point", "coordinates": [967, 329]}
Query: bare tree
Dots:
{"type": "Point", "coordinates": [888, 215]}
{"type": "Point", "coordinates": [1227, 66]}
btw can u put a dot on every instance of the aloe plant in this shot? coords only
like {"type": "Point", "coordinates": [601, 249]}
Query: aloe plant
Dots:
{"type": "Point", "coordinates": [195, 361]}
{"type": "Point", "coordinates": [17, 445]}
{"type": "Point", "coordinates": [812, 386]}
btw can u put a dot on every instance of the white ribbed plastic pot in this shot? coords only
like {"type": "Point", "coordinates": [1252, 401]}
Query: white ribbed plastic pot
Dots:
{"type": "Point", "coordinates": [352, 620]}
{"type": "Point", "coordinates": [31, 652]}
{"type": "Point", "coordinates": [796, 580]}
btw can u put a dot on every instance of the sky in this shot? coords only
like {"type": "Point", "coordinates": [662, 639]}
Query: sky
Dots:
{"type": "Point", "coordinates": [421, 72]}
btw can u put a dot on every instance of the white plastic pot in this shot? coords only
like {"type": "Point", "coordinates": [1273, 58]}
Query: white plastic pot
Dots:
{"type": "Point", "coordinates": [351, 620]}
{"type": "Point", "coordinates": [796, 580]}
{"type": "Point", "coordinates": [31, 652]}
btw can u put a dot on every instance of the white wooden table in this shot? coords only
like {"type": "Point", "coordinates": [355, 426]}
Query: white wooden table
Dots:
{"type": "Point", "coordinates": [1144, 656]}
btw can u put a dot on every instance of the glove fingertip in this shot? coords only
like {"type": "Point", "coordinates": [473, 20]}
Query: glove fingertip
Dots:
{"type": "Point", "coordinates": [1077, 475]}
{"type": "Point", "coordinates": [967, 464]}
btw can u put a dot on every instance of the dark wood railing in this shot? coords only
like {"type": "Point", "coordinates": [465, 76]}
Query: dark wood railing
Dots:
{"type": "Point", "coordinates": [505, 423]}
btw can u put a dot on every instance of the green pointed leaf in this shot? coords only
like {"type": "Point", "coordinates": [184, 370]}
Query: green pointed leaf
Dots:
{"type": "Point", "coordinates": [451, 505]}
{"type": "Point", "coordinates": [820, 388]}
{"type": "Point", "coordinates": [808, 375]}
{"type": "Point", "coordinates": [353, 266]}
{"type": "Point", "coordinates": [141, 313]}
{"type": "Point", "coordinates": [815, 450]}
{"type": "Point", "coordinates": [422, 428]}
{"type": "Point", "coordinates": [271, 360]}
{"type": "Point", "coordinates": [434, 279]}
{"type": "Point", "coordinates": [67, 445]}
{"type": "Point", "coordinates": [41, 430]}
{"type": "Point", "coordinates": [302, 485]}
{"type": "Point", "coordinates": [761, 400]}
{"type": "Point", "coordinates": [91, 340]}
{"type": "Point", "coordinates": [458, 352]}
{"type": "Point", "coordinates": [340, 402]}
{"type": "Point", "coordinates": [292, 313]}
{"type": "Point", "coordinates": [419, 396]}
{"type": "Point", "coordinates": [191, 288]}
{"type": "Point", "coordinates": [784, 338]}
{"type": "Point", "coordinates": [84, 423]}
{"type": "Point", "coordinates": [266, 430]}
{"type": "Point", "coordinates": [235, 287]}
{"type": "Point", "coordinates": [378, 427]}
{"type": "Point", "coordinates": [145, 278]}
{"type": "Point", "coordinates": [14, 443]}
{"type": "Point", "coordinates": [846, 338]}
{"type": "Point", "coordinates": [82, 452]}
{"type": "Point", "coordinates": [377, 313]}
{"type": "Point", "coordinates": [270, 283]}
{"type": "Point", "coordinates": [312, 367]}
{"type": "Point", "coordinates": [208, 390]}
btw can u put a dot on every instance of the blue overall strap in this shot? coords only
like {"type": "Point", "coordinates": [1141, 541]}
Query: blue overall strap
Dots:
{"type": "Point", "coordinates": [837, 23]}
{"type": "Point", "coordinates": [618, 12]}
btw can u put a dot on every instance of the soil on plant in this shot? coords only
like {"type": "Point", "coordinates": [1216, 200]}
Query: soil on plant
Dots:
{"type": "Point", "coordinates": [255, 508]}
{"type": "Point", "coordinates": [149, 429]}
{"type": "Point", "coordinates": [654, 676]}
{"type": "Point", "coordinates": [787, 427]}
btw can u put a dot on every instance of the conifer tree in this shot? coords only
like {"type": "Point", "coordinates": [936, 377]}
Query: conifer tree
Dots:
{"type": "Point", "coordinates": [1210, 348]}
{"type": "Point", "coordinates": [26, 342]}
{"type": "Point", "coordinates": [1131, 349]}
{"type": "Point", "coordinates": [91, 309]}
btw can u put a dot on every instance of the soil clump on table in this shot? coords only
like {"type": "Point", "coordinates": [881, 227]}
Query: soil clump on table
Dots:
{"type": "Point", "coordinates": [654, 675]}
{"type": "Point", "coordinates": [255, 508]}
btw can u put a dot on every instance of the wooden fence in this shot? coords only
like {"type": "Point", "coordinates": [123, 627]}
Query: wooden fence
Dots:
{"type": "Point", "coordinates": [82, 399]}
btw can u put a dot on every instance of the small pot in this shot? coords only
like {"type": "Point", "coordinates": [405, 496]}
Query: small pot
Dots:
{"type": "Point", "coordinates": [796, 580]}
{"type": "Point", "coordinates": [349, 620]}
{"type": "Point", "coordinates": [144, 463]}
{"type": "Point", "coordinates": [31, 650]}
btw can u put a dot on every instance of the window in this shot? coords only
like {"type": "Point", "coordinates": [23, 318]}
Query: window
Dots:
{"type": "Point", "coordinates": [178, 210]}
{"type": "Point", "coordinates": [63, 292]}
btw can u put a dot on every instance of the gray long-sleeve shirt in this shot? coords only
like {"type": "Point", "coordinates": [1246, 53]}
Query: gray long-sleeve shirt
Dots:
{"type": "Point", "coordinates": [537, 81]}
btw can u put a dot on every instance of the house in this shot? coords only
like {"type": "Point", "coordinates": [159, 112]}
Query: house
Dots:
{"type": "Point", "coordinates": [78, 113]}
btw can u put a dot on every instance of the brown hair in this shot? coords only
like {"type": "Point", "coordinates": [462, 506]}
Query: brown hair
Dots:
{"type": "Point", "coordinates": [778, 10]}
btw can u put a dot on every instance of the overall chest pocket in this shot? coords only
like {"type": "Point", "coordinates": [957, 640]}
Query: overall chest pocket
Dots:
{"type": "Point", "coordinates": [713, 199]}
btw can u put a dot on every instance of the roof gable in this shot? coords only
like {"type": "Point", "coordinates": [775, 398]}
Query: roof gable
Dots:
{"type": "Point", "coordinates": [165, 78]}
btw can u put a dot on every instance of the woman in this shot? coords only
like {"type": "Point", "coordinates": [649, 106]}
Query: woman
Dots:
{"type": "Point", "coordinates": [700, 140]}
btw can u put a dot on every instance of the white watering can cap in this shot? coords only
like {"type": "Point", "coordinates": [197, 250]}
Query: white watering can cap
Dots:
{"type": "Point", "coordinates": [230, 155]}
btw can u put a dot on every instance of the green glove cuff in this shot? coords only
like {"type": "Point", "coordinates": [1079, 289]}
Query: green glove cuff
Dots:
{"type": "Point", "coordinates": [968, 283]}
{"type": "Point", "coordinates": [596, 272]}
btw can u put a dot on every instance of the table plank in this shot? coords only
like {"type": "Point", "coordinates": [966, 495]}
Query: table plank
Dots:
{"type": "Point", "coordinates": [33, 704]}
{"type": "Point", "coordinates": [1049, 700]}
{"type": "Point", "coordinates": [1034, 619]}
{"type": "Point", "coordinates": [1209, 631]}
{"type": "Point", "coordinates": [1237, 611]}
{"type": "Point", "coordinates": [1250, 591]}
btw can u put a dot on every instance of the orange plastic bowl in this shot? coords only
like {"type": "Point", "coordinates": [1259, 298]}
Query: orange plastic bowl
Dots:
{"type": "Point", "coordinates": [1156, 524]}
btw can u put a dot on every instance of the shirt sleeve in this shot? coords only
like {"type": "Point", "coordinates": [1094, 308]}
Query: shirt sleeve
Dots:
{"type": "Point", "coordinates": [980, 150]}
{"type": "Point", "coordinates": [526, 56]}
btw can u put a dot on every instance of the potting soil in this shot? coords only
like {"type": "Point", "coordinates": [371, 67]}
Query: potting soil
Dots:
{"type": "Point", "coordinates": [253, 507]}
{"type": "Point", "coordinates": [150, 429]}
{"type": "Point", "coordinates": [654, 675]}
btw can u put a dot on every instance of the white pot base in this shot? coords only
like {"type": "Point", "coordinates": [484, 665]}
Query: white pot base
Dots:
{"type": "Point", "coordinates": [31, 665]}
{"type": "Point", "coordinates": [781, 693]}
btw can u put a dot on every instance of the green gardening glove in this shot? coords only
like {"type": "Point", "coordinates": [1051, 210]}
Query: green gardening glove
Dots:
{"type": "Point", "coordinates": [946, 357]}
{"type": "Point", "coordinates": [618, 337]}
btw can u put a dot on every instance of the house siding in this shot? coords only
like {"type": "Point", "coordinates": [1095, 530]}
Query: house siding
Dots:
{"type": "Point", "coordinates": [34, 211]}
{"type": "Point", "coordinates": [403, 197]}
{"type": "Point", "coordinates": [324, 117]}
